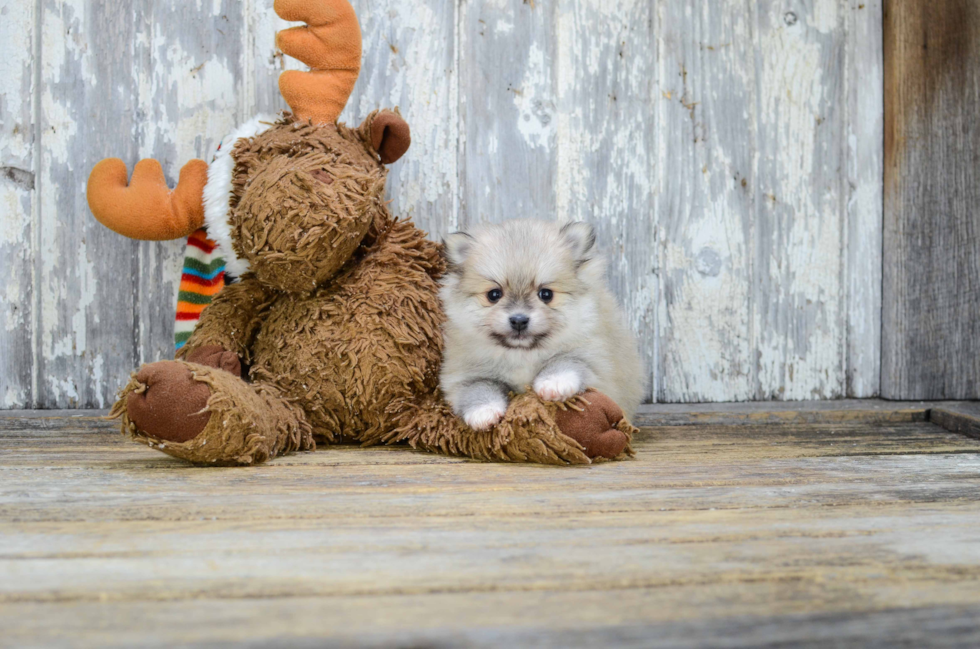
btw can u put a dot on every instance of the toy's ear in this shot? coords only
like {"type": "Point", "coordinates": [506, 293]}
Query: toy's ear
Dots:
{"type": "Point", "coordinates": [457, 246]}
{"type": "Point", "coordinates": [389, 135]}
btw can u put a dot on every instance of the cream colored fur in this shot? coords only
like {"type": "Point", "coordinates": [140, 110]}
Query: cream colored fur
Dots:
{"type": "Point", "coordinates": [580, 335]}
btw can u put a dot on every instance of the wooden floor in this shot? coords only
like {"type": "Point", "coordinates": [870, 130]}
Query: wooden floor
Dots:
{"type": "Point", "coordinates": [822, 529]}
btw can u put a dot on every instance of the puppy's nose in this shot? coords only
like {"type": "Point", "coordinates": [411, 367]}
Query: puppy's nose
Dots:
{"type": "Point", "coordinates": [519, 322]}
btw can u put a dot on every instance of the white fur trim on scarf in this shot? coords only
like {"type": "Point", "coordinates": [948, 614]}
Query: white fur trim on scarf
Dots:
{"type": "Point", "coordinates": [217, 192]}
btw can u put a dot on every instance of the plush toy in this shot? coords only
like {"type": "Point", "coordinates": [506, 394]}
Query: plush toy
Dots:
{"type": "Point", "coordinates": [333, 330]}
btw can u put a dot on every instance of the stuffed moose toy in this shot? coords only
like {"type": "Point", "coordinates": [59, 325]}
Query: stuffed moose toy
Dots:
{"type": "Point", "coordinates": [333, 330]}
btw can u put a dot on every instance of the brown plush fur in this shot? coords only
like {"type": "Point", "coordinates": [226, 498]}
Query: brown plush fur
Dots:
{"type": "Point", "coordinates": [339, 321]}
{"type": "Point", "coordinates": [249, 424]}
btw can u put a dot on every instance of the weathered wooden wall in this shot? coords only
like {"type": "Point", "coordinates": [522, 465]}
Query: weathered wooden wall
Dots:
{"type": "Point", "coordinates": [729, 153]}
{"type": "Point", "coordinates": [931, 334]}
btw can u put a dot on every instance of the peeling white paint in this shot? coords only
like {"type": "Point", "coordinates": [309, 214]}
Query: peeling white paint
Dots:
{"type": "Point", "coordinates": [824, 16]}
{"type": "Point", "coordinates": [17, 202]}
{"type": "Point", "coordinates": [605, 165]}
{"type": "Point", "coordinates": [15, 217]}
{"type": "Point", "coordinates": [698, 138]}
{"type": "Point", "coordinates": [800, 338]}
{"type": "Point", "coordinates": [14, 398]}
{"type": "Point", "coordinates": [705, 210]}
{"type": "Point", "coordinates": [863, 243]}
{"type": "Point", "coordinates": [407, 66]}
{"type": "Point", "coordinates": [533, 100]}
{"type": "Point", "coordinates": [503, 26]}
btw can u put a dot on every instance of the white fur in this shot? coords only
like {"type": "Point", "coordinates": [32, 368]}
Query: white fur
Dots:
{"type": "Point", "coordinates": [583, 323]}
{"type": "Point", "coordinates": [558, 387]}
{"type": "Point", "coordinates": [217, 191]}
{"type": "Point", "coordinates": [484, 417]}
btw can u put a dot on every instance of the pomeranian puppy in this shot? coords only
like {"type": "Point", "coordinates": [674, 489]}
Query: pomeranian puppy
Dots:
{"type": "Point", "coordinates": [527, 305]}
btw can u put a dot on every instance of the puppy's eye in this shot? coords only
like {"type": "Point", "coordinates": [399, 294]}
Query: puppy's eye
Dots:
{"type": "Point", "coordinates": [494, 295]}
{"type": "Point", "coordinates": [546, 295]}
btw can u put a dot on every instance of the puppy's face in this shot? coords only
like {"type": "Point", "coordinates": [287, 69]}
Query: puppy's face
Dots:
{"type": "Point", "coordinates": [521, 284]}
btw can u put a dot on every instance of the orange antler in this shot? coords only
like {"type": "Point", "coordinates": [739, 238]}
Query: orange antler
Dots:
{"type": "Point", "coordinates": [146, 209]}
{"type": "Point", "coordinates": [330, 43]}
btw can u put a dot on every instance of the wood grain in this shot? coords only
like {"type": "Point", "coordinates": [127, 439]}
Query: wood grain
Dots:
{"type": "Point", "coordinates": [798, 320]}
{"type": "Point", "coordinates": [963, 418]}
{"type": "Point", "coordinates": [931, 285]}
{"type": "Point", "coordinates": [507, 619]}
{"type": "Point", "coordinates": [410, 64]}
{"type": "Point", "coordinates": [263, 61]}
{"type": "Point", "coordinates": [583, 620]}
{"type": "Point", "coordinates": [190, 73]}
{"type": "Point", "coordinates": [868, 411]}
{"type": "Point", "coordinates": [838, 532]}
{"type": "Point", "coordinates": [85, 279]}
{"type": "Point", "coordinates": [508, 105]}
{"type": "Point", "coordinates": [865, 164]}
{"type": "Point", "coordinates": [18, 201]}
{"type": "Point", "coordinates": [707, 96]}
{"type": "Point", "coordinates": [606, 160]}
{"type": "Point", "coordinates": [770, 252]}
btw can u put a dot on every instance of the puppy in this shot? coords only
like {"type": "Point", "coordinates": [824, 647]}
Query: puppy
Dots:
{"type": "Point", "coordinates": [527, 305]}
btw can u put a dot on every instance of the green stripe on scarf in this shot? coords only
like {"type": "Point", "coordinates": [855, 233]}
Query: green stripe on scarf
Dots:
{"type": "Point", "coordinates": [193, 298]}
{"type": "Point", "coordinates": [207, 269]}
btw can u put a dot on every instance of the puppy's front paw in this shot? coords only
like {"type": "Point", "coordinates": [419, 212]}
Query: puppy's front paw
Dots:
{"type": "Point", "coordinates": [484, 417]}
{"type": "Point", "coordinates": [558, 387]}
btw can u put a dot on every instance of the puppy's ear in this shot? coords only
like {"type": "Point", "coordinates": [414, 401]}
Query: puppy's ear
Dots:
{"type": "Point", "coordinates": [580, 239]}
{"type": "Point", "coordinates": [457, 248]}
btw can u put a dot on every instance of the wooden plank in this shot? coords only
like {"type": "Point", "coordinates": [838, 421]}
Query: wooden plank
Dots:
{"type": "Point", "coordinates": [264, 62]}
{"type": "Point", "coordinates": [410, 63]}
{"type": "Point", "coordinates": [26, 420]}
{"type": "Point", "coordinates": [507, 110]}
{"type": "Point", "coordinates": [546, 620]}
{"type": "Point", "coordinates": [799, 311]}
{"type": "Point", "coordinates": [768, 292]}
{"type": "Point", "coordinates": [89, 440]}
{"type": "Point", "coordinates": [691, 468]}
{"type": "Point", "coordinates": [963, 418]}
{"type": "Point", "coordinates": [867, 411]}
{"type": "Point", "coordinates": [762, 412]}
{"type": "Point", "coordinates": [931, 284]}
{"type": "Point", "coordinates": [365, 558]}
{"type": "Point", "coordinates": [707, 96]}
{"type": "Point", "coordinates": [18, 201]}
{"type": "Point", "coordinates": [865, 172]}
{"type": "Point", "coordinates": [85, 289]}
{"type": "Point", "coordinates": [182, 84]}
{"type": "Point", "coordinates": [606, 150]}
{"type": "Point", "coordinates": [752, 534]}
{"type": "Point", "coordinates": [190, 71]}
{"type": "Point", "coordinates": [854, 411]}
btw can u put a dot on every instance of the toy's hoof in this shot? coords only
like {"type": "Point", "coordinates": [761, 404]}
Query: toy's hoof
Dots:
{"type": "Point", "coordinates": [609, 444]}
{"type": "Point", "coordinates": [170, 405]}
{"type": "Point", "coordinates": [592, 423]}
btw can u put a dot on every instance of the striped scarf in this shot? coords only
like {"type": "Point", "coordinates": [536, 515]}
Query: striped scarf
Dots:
{"type": "Point", "coordinates": [202, 278]}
